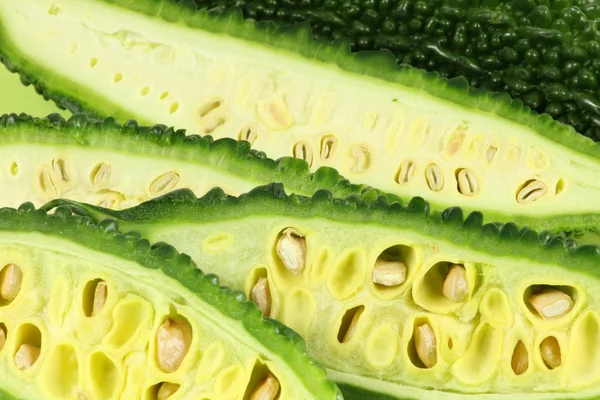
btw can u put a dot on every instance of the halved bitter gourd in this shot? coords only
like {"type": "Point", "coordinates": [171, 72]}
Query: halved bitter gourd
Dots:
{"type": "Point", "coordinates": [393, 301]}
{"type": "Point", "coordinates": [397, 129]}
{"type": "Point", "coordinates": [89, 313]}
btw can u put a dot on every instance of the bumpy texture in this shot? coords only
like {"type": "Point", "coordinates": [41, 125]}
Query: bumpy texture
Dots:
{"type": "Point", "coordinates": [88, 312]}
{"type": "Point", "coordinates": [545, 53]}
{"type": "Point", "coordinates": [393, 300]}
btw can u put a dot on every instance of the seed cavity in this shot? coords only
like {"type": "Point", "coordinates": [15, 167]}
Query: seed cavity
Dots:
{"type": "Point", "coordinates": [434, 177]}
{"type": "Point", "coordinates": [164, 183]}
{"type": "Point", "coordinates": [208, 107]}
{"type": "Point", "coordinates": [274, 113]}
{"type": "Point", "coordinates": [211, 128]}
{"type": "Point", "coordinates": [93, 62]}
{"type": "Point", "coordinates": [550, 302]}
{"type": "Point", "coordinates": [164, 95]}
{"type": "Point", "coordinates": [173, 341]}
{"type": "Point", "coordinates": [101, 175]}
{"type": "Point", "coordinates": [455, 286]}
{"type": "Point", "coordinates": [267, 390]}
{"type": "Point", "coordinates": [109, 199]}
{"type": "Point", "coordinates": [362, 158]}
{"type": "Point", "coordinates": [2, 336]}
{"type": "Point", "coordinates": [46, 184]}
{"type": "Point", "coordinates": [248, 133]}
{"type": "Point", "coordinates": [405, 172]}
{"type": "Point", "coordinates": [118, 77]}
{"type": "Point", "coordinates": [520, 359]}
{"type": "Point", "coordinates": [144, 91]}
{"type": "Point", "coordinates": [303, 151]}
{"type": "Point", "coordinates": [550, 351]}
{"type": "Point", "coordinates": [94, 297]}
{"type": "Point", "coordinates": [328, 147]}
{"type": "Point", "coordinates": [531, 191]}
{"type": "Point", "coordinates": [29, 340]}
{"type": "Point", "coordinates": [11, 278]}
{"type": "Point", "coordinates": [349, 324]}
{"type": "Point", "coordinates": [174, 107]}
{"type": "Point", "coordinates": [291, 249]}
{"type": "Point", "coordinates": [389, 272]}
{"type": "Point", "coordinates": [60, 169]}
{"type": "Point", "coordinates": [491, 153]}
{"type": "Point", "coordinates": [14, 169]}
{"type": "Point", "coordinates": [425, 344]}
{"type": "Point", "coordinates": [166, 390]}
{"type": "Point", "coordinates": [560, 186]}
{"type": "Point", "coordinates": [261, 296]}
{"type": "Point", "coordinates": [467, 183]}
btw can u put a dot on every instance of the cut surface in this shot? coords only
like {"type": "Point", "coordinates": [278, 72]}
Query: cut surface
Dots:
{"type": "Point", "coordinates": [164, 329]}
{"type": "Point", "coordinates": [484, 336]}
{"type": "Point", "coordinates": [397, 130]}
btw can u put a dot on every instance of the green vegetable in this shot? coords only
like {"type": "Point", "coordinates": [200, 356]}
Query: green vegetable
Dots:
{"type": "Point", "coordinates": [393, 300]}
{"type": "Point", "coordinates": [397, 129]}
{"type": "Point", "coordinates": [87, 312]}
{"type": "Point", "coordinates": [17, 98]}
{"type": "Point", "coordinates": [545, 53]}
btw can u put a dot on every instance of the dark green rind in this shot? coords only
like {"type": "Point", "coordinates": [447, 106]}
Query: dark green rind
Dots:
{"type": "Point", "coordinates": [105, 237]}
{"type": "Point", "coordinates": [296, 40]}
{"type": "Point", "coordinates": [498, 240]}
{"type": "Point", "coordinates": [546, 54]}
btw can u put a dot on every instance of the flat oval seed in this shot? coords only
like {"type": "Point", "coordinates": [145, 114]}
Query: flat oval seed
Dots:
{"type": "Point", "coordinates": [249, 134]}
{"type": "Point", "coordinates": [261, 296]}
{"type": "Point", "coordinates": [26, 356]}
{"type": "Point", "coordinates": [531, 192]}
{"type": "Point", "coordinates": [303, 151]}
{"type": "Point", "coordinates": [362, 158]}
{"type": "Point", "coordinates": [520, 359]}
{"type": "Point", "coordinates": [467, 183]}
{"type": "Point", "coordinates": [389, 273]}
{"type": "Point", "coordinates": [551, 303]}
{"type": "Point", "coordinates": [101, 175]}
{"type": "Point", "coordinates": [60, 169]}
{"type": "Point", "coordinates": [291, 249]}
{"type": "Point", "coordinates": [491, 153]}
{"type": "Point", "coordinates": [100, 294]}
{"type": "Point", "coordinates": [455, 286]}
{"type": "Point", "coordinates": [425, 344]}
{"type": "Point", "coordinates": [275, 114]}
{"type": "Point", "coordinates": [434, 177]}
{"type": "Point", "coordinates": [406, 172]}
{"type": "Point", "coordinates": [353, 323]}
{"type": "Point", "coordinates": [550, 351]}
{"type": "Point", "coordinates": [173, 341]}
{"type": "Point", "coordinates": [164, 183]}
{"type": "Point", "coordinates": [328, 146]}
{"type": "Point", "coordinates": [10, 281]}
{"type": "Point", "coordinates": [166, 390]}
{"type": "Point", "coordinates": [267, 390]}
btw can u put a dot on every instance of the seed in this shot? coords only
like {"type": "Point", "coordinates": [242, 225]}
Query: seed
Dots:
{"type": "Point", "coordinates": [328, 147]}
{"type": "Point", "coordinates": [467, 183]}
{"type": "Point", "coordinates": [455, 286]}
{"type": "Point", "coordinates": [406, 172]}
{"type": "Point", "coordinates": [267, 390]}
{"type": "Point", "coordinates": [205, 109]}
{"type": "Point", "coordinates": [46, 183]}
{"type": "Point", "coordinates": [389, 273]}
{"type": "Point", "coordinates": [2, 337]}
{"type": "Point", "coordinates": [550, 350]}
{"type": "Point", "coordinates": [60, 170]}
{"type": "Point", "coordinates": [491, 153]}
{"type": "Point", "coordinates": [303, 151]}
{"type": "Point", "coordinates": [353, 323]}
{"type": "Point", "coordinates": [99, 297]}
{"type": "Point", "coordinates": [551, 303]}
{"type": "Point", "coordinates": [26, 356]}
{"type": "Point", "coordinates": [164, 183]}
{"type": "Point", "coordinates": [249, 134]}
{"type": "Point", "coordinates": [261, 296]}
{"type": "Point", "coordinates": [101, 174]}
{"type": "Point", "coordinates": [425, 344]}
{"type": "Point", "coordinates": [275, 113]}
{"type": "Point", "coordinates": [173, 342]}
{"type": "Point", "coordinates": [520, 359]}
{"type": "Point", "coordinates": [10, 281]}
{"type": "Point", "coordinates": [291, 249]}
{"type": "Point", "coordinates": [532, 191]}
{"type": "Point", "coordinates": [362, 155]}
{"type": "Point", "coordinates": [211, 128]}
{"type": "Point", "coordinates": [110, 199]}
{"type": "Point", "coordinates": [435, 179]}
{"type": "Point", "coordinates": [166, 390]}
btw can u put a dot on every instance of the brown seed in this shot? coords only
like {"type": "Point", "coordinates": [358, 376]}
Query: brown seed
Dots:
{"type": "Point", "coordinates": [353, 324]}
{"type": "Point", "coordinates": [26, 356]}
{"type": "Point", "coordinates": [261, 296]}
{"type": "Point", "coordinates": [11, 277]}
{"type": "Point", "coordinates": [550, 351]}
{"type": "Point", "coordinates": [291, 249]}
{"type": "Point", "coordinates": [173, 341]}
{"type": "Point", "coordinates": [166, 390]}
{"type": "Point", "coordinates": [425, 344]}
{"type": "Point", "coordinates": [455, 286]}
{"type": "Point", "coordinates": [99, 297]}
{"type": "Point", "coordinates": [551, 303]}
{"type": "Point", "coordinates": [520, 359]}
{"type": "Point", "coordinates": [467, 183]}
{"type": "Point", "coordinates": [267, 390]}
{"type": "Point", "coordinates": [389, 273]}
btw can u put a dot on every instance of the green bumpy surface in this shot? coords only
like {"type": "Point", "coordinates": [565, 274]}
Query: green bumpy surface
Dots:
{"type": "Point", "coordinates": [475, 338]}
{"type": "Point", "coordinates": [396, 129]}
{"type": "Point", "coordinates": [545, 53]}
{"type": "Point", "coordinates": [62, 338]}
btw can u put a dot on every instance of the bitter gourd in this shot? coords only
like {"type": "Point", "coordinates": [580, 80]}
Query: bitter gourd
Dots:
{"type": "Point", "coordinates": [545, 53]}
{"type": "Point", "coordinates": [89, 313]}
{"type": "Point", "coordinates": [17, 98]}
{"type": "Point", "coordinates": [393, 300]}
{"type": "Point", "coordinates": [396, 129]}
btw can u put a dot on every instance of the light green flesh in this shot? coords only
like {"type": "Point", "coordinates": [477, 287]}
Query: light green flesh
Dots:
{"type": "Point", "coordinates": [112, 355]}
{"type": "Point", "coordinates": [339, 262]}
{"type": "Point", "coordinates": [18, 98]}
{"type": "Point", "coordinates": [160, 72]}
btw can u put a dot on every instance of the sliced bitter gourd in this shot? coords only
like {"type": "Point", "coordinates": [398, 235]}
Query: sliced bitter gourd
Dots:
{"type": "Point", "coordinates": [393, 300]}
{"type": "Point", "coordinates": [89, 313]}
{"type": "Point", "coordinates": [396, 129]}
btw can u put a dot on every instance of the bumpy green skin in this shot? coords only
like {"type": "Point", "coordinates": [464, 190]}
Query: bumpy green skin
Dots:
{"type": "Point", "coordinates": [106, 237]}
{"type": "Point", "coordinates": [545, 53]}
{"type": "Point", "coordinates": [295, 40]}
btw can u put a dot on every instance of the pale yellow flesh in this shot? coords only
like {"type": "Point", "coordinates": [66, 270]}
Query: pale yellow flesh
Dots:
{"type": "Point", "coordinates": [483, 329]}
{"type": "Point", "coordinates": [113, 354]}
{"type": "Point", "coordinates": [207, 83]}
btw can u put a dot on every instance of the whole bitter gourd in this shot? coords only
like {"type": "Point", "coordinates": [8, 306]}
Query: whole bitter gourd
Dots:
{"type": "Point", "coordinates": [396, 129]}
{"type": "Point", "coordinates": [545, 53]}
{"type": "Point", "coordinates": [89, 313]}
{"type": "Point", "coordinates": [394, 301]}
